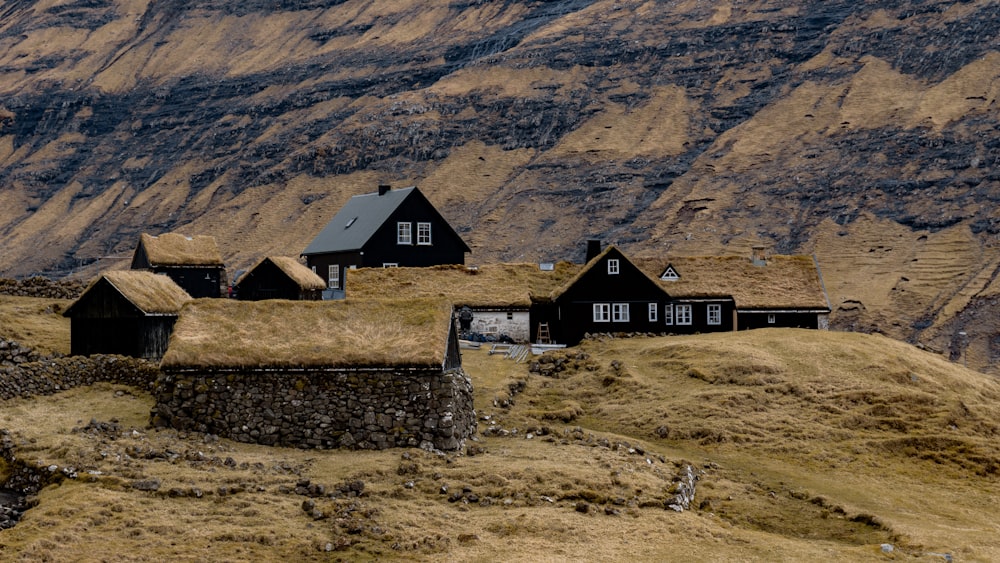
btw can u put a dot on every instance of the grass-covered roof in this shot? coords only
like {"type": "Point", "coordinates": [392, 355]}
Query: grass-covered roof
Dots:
{"type": "Point", "coordinates": [301, 275]}
{"type": "Point", "coordinates": [490, 285]}
{"type": "Point", "coordinates": [174, 249]}
{"type": "Point", "coordinates": [784, 282]}
{"type": "Point", "coordinates": [353, 333]}
{"type": "Point", "coordinates": [153, 294]}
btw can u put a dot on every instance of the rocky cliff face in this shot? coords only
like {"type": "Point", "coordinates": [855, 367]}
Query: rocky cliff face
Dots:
{"type": "Point", "coordinates": [864, 132]}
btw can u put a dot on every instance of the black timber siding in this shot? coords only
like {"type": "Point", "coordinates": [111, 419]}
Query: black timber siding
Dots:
{"type": "Point", "coordinates": [320, 263]}
{"type": "Point", "coordinates": [139, 337]}
{"type": "Point", "coordinates": [759, 319]}
{"type": "Point", "coordinates": [445, 248]}
{"type": "Point", "coordinates": [699, 317]}
{"type": "Point", "coordinates": [197, 281]}
{"type": "Point", "coordinates": [268, 281]}
{"type": "Point", "coordinates": [573, 314]}
{"type": "Point", "coordinates": [103, 321]}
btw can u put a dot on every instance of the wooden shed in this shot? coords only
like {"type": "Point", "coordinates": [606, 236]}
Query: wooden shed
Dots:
{"type": "Point", "coordinates": [193, 262]}
{"type": "Point", "coordinates": [279, 277]}
{"type": "Point", "coordinates": [131, 313]}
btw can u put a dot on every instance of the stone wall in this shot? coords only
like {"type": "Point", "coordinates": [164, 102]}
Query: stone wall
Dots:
{"type": "Point", "coordinates": [42, 287]}
{"type": "Point", "coordinates": [12, 353]}
{"type": "Point", "coordinates": [48, 376]}
{"type": "Point", "coordinates": [321, 409]}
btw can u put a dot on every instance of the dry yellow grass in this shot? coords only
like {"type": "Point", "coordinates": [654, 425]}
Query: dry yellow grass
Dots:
{"type": "Point", "coordinates": [174, 249]}
{"type": "Point", "coordinates": [489, 285]}
{"type": "Point", "coordinates": [35, 322]}
{"type": "Point", "coordinates": [151, 293]}
{"type": "Point", "coordinates": [354, 333]}
{"type": "Point", "coordinates": [809, 446]}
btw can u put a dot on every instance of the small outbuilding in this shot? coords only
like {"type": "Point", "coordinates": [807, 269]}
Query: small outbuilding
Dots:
{"type": "Point", "coordinates": [131, 313]}
{"type": "Point", "coordinates": [366, 374]}
{"type": "Point", "coordinates": [279, 277]}
{"type": "Point", "coordinates": [194, 263]}
{"type": "Point", "coordinates": [497, 297]}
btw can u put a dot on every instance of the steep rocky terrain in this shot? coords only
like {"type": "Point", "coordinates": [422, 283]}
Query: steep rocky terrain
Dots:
{"type": "Point", "coordinates": [863, 132]}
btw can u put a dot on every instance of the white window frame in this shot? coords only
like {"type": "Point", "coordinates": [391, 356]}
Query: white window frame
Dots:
{"type": "Point", "coordinates": [404, 232]}
{"type": "Point", "coordinates": [613, 267]}
{"type": "Point", "coordinates": [390, 264]}
{"type": "Point", "coordinates": [602, 312]}
{"type": "Point", "coordinates": [619, 312]}
{"type": "Point", "coordinates": [770, 319]}
{"type": "Point", "coordinates": [714, 314]}
{"type": "Point", "coordinates": [668, 314]}
{"type": "Point", "coordinates": [654, 309]}
{"type": "Point", "coordinates": [333, 276]}
{"type": "Point", "coordinates": [424, 234]}
{"type": "Point", "coordinates": [683, 314]}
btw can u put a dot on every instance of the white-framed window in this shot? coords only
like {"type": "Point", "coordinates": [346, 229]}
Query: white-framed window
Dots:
{"type": "Point", "coordinates": [668, 314]}
{"type": "Point", "coordinates": [314, 269]}
{"type": "Point", "coordinates": [683, 314]}
{"type": "Point", "coordinates": [333, 276]}
{"type": "Point", "coordinates": [714, 314]}
{"type": "Point", "coordinates": [390, 264]}
{"type": "Point", "coordinates": [770, 319]}
{"type": "Point", "coordinates": [423, 233]}
{"type": "Point", "coordinates": [619, 312]}
{"type": "Point", "coordinates": [612, 266]}
{"type": "Point", "coordinates": [653, 308]}
{"type": "Point", "coordinates": [602, 312]}
{"type": "Point", "coordinates": [404, 233]}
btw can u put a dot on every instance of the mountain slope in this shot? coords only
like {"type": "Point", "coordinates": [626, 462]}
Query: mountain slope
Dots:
{"type": "Point", "coordinates": [863, 132]}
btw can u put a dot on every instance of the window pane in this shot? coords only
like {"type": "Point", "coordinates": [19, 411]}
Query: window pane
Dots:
{"type": "Point", "coordinates": [653, 308]}
{"type": "Point", "coordinates": [423, 233]}
{"type": "Point", "coordinates": [668, 314]}
{"type": "Point", "coordinates": [613, 266]}
{"type": "Point", "coordinates": [619, 312]}
{"type": "Point", "coordinates": [715, 314]}
{"type": "Point", "coordinates": [404, 233]}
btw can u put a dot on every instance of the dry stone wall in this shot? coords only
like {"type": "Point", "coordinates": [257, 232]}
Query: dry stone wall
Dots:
{"type": "Point", "coordinates": [321, 409]}
{"type": "Point", "coordinates": [49, 376]}
{"type": "Point", "coordinates": [41, 287]}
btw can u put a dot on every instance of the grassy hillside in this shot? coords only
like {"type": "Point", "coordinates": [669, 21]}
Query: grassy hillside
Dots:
{"type": "Point", "coordinates": [861, 131]}
{"type": "Point", "coordinates": [807, 446]}
{"type": "Point", "coordinates": [36, 323]}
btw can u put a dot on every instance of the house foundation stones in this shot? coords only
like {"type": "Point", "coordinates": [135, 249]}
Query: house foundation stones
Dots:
{"type": "Point", "coordinates": [363, 409]}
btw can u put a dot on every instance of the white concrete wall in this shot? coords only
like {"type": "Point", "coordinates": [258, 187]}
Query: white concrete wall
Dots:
{"type": "Point", "coordinates": [518, 327]}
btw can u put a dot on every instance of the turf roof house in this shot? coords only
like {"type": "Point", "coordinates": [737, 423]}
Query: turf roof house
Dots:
{"type": "Point", "coordinates": [131, 313]}
{"type": "Point", "coordinates": [718, 293]}
{"type": "Point", "coordinates": [194, 263]}
{"type": "Point", "coordinates": [366, 374]}
{"type": "Point", "coordinates": [609, 294]}
{"type": "Point", "coordinates": [279, 277]}
{"type": "Point", "coordinates": [500, 296]}
{"type": "Point", "coordinates": [386, 228]}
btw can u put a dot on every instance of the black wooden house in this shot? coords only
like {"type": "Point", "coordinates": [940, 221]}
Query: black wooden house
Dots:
{"type": "Point", "coordinates": [194, 263]}
{"type": "Point", "coordinates": [131, 313]}
{"type": "Point", "coordinates": [386, 228]}
{"type": "Point", "coordinates": [279, 277]}
{"type": "Point", "coordinates": [610, 294]}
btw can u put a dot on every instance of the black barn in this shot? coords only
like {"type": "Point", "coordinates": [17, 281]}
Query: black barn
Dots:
{"type": "Point", "coordinates": [131, 313]}
{"type": "Point", "coordinates": [194, 263]}
{"type": "Point", "coordinates": [279, 277]}
{"type": "Point", "coordinates": [610, 294]}
{"type": "Point", "coordinates": [387, 228]}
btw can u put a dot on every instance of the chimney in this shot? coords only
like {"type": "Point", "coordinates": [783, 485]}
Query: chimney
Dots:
{"type": "Point", "coordinates": [593, 249]}
{"type": "Point", "coordinates": [384, 189]}
{"type": "Point", "coordinates": [757, 256]}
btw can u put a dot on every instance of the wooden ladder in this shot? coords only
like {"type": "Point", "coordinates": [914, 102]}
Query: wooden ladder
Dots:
{"type": "Point", "coordinates": [543, 334]}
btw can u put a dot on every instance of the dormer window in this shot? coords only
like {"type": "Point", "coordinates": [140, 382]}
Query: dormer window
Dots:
{"type": "Point", "coordinates": [612, 266]}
